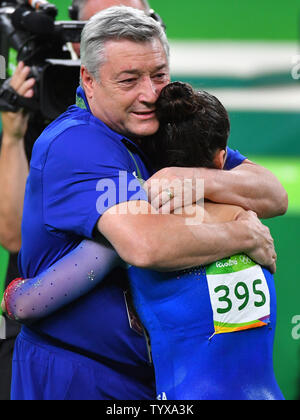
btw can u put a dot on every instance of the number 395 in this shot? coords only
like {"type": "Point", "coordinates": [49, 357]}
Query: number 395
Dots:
{"type": "Point", "coordinates": [242, 293]}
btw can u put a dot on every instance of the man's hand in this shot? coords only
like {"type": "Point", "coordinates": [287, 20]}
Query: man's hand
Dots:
{"type": "Point", "coordinates": [15, 124]}
{"type": "Point", "coordinates": [172, 188]}
{"type": "Point", "coordinates": [20, 83]}
{"type": "Point", "coordinates": [262, 248]}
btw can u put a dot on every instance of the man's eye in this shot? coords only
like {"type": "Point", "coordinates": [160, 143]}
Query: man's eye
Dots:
{"type": "Point", "coordinates": [160, 76]}
{"type": "Point", "coordinates": [128, 81]}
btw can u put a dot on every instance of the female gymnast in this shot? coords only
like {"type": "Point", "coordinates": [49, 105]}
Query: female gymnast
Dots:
{"type": "Point", "coordinates": [211, 328]}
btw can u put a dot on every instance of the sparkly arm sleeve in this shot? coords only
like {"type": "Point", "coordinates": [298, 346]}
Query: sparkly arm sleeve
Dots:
{"type": "Point", "coordinates": [69, 278]}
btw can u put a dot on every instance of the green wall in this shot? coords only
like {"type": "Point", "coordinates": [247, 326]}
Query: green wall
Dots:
{"type": "Point", "coordinates": [286, 233]}
{"type": "Point", "coordinates": [62, 6]}
{"type": "Point", "coordinates": [265, 133]}
{"type": "Point", "coordinates": [230, 19]}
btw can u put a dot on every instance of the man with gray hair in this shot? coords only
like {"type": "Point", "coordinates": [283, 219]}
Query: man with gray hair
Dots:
{"type": "Point", "coordinates": [84, 9]}
{"type": "Point", "coordinates": [83, 184]}
{"type": "Point", "coordinates": [18, 136]}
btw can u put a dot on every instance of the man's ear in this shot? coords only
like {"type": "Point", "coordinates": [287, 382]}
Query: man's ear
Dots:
{"type": "Point", "coordinates": [87, 82]}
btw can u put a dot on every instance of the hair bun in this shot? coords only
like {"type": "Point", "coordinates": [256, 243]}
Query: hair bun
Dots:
{"type": "Point", "coordinates": [176, 103]}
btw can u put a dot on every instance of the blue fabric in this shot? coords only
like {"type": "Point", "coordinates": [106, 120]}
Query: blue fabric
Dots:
{"type": "Point", "coordinates": [70, 158]}
{"type": "Point", "coordinates": [191, 363]}
{"type": "Point", "coordinates": [234, 158]}
{"type": "Point", "coordinates": [42, 371]}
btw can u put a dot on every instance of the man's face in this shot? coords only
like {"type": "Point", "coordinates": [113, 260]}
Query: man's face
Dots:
{"type": "Point", "coordinates": [94, 6]}
{"type": "Point", "coordinates": [131, 80]}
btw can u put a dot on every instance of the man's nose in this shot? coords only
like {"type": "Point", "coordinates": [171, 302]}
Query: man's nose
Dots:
{"type": "Point", "coordinates": [149, 91]}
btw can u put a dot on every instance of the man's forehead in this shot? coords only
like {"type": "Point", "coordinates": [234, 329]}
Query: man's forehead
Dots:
{"type": "Point", "coordinates": [123, 52]}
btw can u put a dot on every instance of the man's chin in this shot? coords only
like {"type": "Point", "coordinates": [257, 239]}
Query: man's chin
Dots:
{"type": "Point", "coordinates": [144, 130]}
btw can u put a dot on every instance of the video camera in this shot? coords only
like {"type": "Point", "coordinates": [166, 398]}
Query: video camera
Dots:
{"type": "Point", "coordinates": [29, 33]}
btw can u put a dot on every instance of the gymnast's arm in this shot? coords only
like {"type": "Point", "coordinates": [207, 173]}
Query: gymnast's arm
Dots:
{"type": "Point", "coordinates": [26, 300]}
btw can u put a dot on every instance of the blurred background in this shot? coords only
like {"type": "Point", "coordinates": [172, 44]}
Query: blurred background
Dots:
{"type": "Point", "coordinates": [247, 53]}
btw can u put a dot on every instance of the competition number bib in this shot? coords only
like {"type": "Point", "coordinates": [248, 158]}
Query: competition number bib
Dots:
{"type": "Point", "coordinates": [239, 294]}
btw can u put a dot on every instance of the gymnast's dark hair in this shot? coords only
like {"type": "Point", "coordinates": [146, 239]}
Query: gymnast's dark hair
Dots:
{"type": "Point", "coordinates": [193, 127]}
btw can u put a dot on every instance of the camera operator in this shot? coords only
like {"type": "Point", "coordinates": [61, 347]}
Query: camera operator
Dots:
{"type": "Point", "coordinates": [19, 132]}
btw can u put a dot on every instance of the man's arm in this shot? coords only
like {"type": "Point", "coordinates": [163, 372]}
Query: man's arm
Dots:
{"type": "Point", "coordinates": [13, 174]}
{"type": "Point", "coordinates": [14, 165]}
{"type": "Point", "coordinates": [248, 185]}
{"type": "Point", "coordinates": [166, 243]}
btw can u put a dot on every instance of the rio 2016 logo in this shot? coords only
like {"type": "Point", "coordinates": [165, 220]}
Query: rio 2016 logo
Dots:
{"type": "Point", "coordinates": [2, 67]}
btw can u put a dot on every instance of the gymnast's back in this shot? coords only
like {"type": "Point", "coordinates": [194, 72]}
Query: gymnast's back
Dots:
{"type": "Point", "coordinates": [211, 330]}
